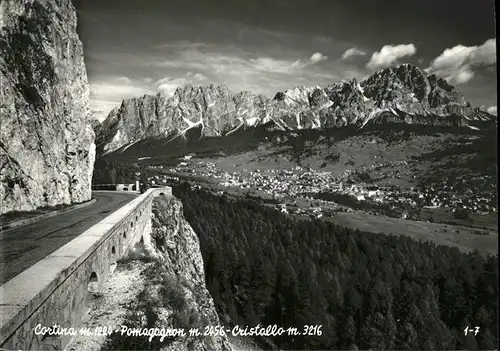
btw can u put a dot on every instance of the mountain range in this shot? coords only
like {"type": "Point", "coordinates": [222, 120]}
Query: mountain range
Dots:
{"type": "Point", "coordinates": [402, 94]}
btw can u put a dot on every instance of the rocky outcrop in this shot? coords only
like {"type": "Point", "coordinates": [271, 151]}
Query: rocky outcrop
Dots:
{"type": "Point", "coordinates": [176, 245]}
{"type": "Point", "coordinates": [47, 144]}
{"type": "Point", "coordinates": [404, 94]}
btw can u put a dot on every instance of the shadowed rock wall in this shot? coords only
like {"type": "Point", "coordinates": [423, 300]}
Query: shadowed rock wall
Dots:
{"type": "Point", "coordinates": [47, 146]}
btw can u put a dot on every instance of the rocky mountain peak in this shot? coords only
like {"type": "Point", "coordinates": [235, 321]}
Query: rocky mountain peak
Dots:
{"type": "Point", "coordinates": [397, 82]}
{"type": "Point", "coordinates": [190, 90]}
{"type": "Point", "coordinates": [441, 83]}
{"type": "Point", "coordinates": [402, 94]}
{"type": "Point", "coordinates": [280, 96]}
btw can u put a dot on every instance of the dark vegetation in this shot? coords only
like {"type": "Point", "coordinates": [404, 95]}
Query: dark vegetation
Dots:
{"type": "Point", "coordinates": [368, 291]}
{"type": "Point", "coordinates": [108, 171]}
{"type": "Point", "coordinates": [333, 157]}
{"type": "Point", "coordinates": [478, 156]}
{"type": "Point", "coordinates": [461, 214]}
{"type": "Point", "coordinates": [390, 132]}
{"type": "Point", "coordinates": [359, 176]}
{"type": "Point", "coordinates": [297, 143]}
{"type": "Point", "coordinates": [165, 149]}
{"type": "Point", "coordinates": [272, 201]}
{"type": "Point", "coordinates": [484, 147]}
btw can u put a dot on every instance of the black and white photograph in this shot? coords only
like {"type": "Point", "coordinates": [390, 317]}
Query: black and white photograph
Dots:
{"type": "Point", "coordinates": [248, 175]}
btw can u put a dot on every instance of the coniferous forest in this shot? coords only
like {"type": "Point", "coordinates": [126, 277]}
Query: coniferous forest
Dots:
{"type": "Point", "coordinates": [366, 290]}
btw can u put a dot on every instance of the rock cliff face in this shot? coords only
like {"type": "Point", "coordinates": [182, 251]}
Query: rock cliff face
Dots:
{"type": "Point", "coordinates": [174, 243]}
{"type": "Point", "coordinates": [47, 146]}
{"type": "Point", "coordinates": [404, 94]}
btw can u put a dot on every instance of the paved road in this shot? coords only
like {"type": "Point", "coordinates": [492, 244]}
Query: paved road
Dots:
{"type": "Point", "coordinates": [23, 247]}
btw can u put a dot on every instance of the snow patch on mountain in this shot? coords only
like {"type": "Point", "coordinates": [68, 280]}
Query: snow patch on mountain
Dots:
{"type": "Point", "coordinates": [252, 121]}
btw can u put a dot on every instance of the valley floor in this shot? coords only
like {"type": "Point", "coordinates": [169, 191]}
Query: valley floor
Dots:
{"type": "Point", "coordinates": [464, 238]}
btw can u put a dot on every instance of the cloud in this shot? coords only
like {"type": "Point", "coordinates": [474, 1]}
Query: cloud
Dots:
{"type": "Point", "coordinates": [232, 59]}
{"type": "Point", "coordinates": [122, 80]}
{"type": "Point", "coordinates": [317, 57]}
{"type": "Point", "coordinates": [116, 92]}
{"type": "Point", "coordinates": [199, 76]}
{"type": "Point", "coordinates": [269, 64]}
{"type": "Point", "coordinates": [183, 45]}
{"type": "Point", "coordinates": [169, 89]}
{"type": "Point", "coordinates": [245, 32]}
{"type": "Point", "coordinates": [485, 54]}
{"type": "Point", "coordinates": [272, 65]}
{"type": "Point", "coordinates": [241, 69]}
{"type": "Point", "coordinates": [352, 52]}
{"type": "Point", "coordinates": [389, 54]}
{"type": "Point", "coordinates": [462, 75]}
{"type": "Point", "coordinates": [323, 39]}
{"type": "Point", "coordinates": [101, 108]}
{"type": "Point", "coordinates": [280, 62]}
{"type": "Point", "coordinates": [108, 93]}
{"type": "Point", "coordinates": [492, 110]}
{"type": "Point", "coordinates": [459, 63]}
{"type": "Point", "coordinates": [168, 85]}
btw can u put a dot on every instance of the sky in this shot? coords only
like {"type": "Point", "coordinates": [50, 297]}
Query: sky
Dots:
{"type": "Point", "coordinates": [136, 47]}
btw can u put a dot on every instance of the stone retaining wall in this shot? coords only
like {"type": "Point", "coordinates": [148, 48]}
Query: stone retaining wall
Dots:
{"type": "Point", "coordinates": [57, 289]}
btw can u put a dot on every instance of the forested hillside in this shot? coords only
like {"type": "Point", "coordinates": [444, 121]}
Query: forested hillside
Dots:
{"type": "Point", "coordinates": [368, 291]}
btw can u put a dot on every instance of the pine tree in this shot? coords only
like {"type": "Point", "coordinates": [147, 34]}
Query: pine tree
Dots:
{"type": "Point", "coordinates": [407, 337]}
{"type": "Point", "coordinates": [390, 330]}
{"type": "Point", "coordinates": [348, 334]}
